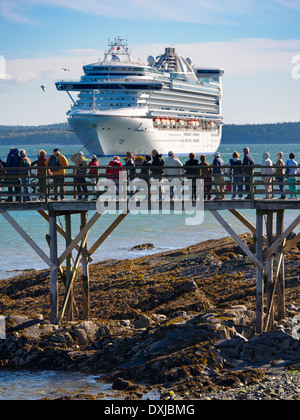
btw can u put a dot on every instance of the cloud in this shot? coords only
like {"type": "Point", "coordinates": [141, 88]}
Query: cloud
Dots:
{"type": "Point", "coordinates": [199, 11]}
{"type": "Point", "coordinates": [239, 57]}
{"type": "Point", "coordinates": [15, 11]}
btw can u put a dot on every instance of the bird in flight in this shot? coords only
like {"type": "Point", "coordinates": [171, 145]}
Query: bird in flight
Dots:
{"type": "Point", "coordinates": [43, 88]}
{"type": "Point", "coordinates": [65, 69]}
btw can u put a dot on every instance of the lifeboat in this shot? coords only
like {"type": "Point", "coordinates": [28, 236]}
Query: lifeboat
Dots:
{"type": "Point", "coordinates": [156, 121]}
{"type": "Point", "coordinates": [180, 123]}
{"type": "Point", "coordinates": [172, 122]}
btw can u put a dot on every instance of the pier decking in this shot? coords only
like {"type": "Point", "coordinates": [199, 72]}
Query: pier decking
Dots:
{"type": "Point", "coordinates": [149, 193]}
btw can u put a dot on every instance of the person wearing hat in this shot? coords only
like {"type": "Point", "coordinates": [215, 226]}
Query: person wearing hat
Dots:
{"type": "Point", "coordinates": [279, 173]}
{"type": "Point", "coordinates": [81, 164]}
{"type": "Point", "coordinates": [58, 164]}
{"type": "Point", "coordinates": [24, 166]}
{"type": "Point", "coordinates": [218, 173]}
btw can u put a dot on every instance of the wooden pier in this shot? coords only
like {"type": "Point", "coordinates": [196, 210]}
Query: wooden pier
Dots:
{"type": "Point", "coordinates": [271, 238]}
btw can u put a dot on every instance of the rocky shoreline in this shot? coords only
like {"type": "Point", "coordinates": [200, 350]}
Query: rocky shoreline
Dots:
{"type": "Point", "coordinates": [181, 322]}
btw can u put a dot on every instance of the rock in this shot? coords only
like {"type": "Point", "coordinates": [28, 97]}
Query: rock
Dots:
{"type": "Point", "coordinates": [90, 328]}
{"type": "Point", "coordinates": [122, 385]}
{"type": "Point", "coordinates": [30, 327]}
{"type": "Point", "coordinates": [81, 336]}
{"type": "Point", "coordinates": [269, 345]}
{"type": "Point", "coordinates": [159, 317]}
{"type": "Point", "coordinates": [142, 247]}
{"type": "Point", "coordinates": [232, 347]}
{"type": "Point", "coordinates": [142, 321]}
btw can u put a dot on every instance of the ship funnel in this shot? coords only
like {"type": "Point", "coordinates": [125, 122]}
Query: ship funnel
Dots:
{"type": "Point", "coordinates": [169, 51]}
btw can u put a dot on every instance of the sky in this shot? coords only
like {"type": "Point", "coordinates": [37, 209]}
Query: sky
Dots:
{"type": "Point", "coordinates": [256, 42]}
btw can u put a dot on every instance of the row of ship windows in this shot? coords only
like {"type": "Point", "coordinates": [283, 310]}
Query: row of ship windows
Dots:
{"type": "Point", "coordinates": [200, 101]}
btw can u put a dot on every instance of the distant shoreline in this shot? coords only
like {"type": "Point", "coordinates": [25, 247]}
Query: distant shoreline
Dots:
{"type": "Point", "coordinates": [277, 133]}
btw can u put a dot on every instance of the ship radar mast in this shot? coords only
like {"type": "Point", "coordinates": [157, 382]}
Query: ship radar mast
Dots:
{"type": "Point", "coordinates": [117, 50]}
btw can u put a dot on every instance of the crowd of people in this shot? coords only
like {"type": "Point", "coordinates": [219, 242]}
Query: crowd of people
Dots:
{"type": "Point", "coordinates": [17, 170]}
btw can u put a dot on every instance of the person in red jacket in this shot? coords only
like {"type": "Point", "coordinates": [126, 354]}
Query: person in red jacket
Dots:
{"type": "Point", "coordinates": [114, 169]}
{"type": "Point", "coordinates": [41, 173]}
{"type": "Point", "coordinates": [115, 166]}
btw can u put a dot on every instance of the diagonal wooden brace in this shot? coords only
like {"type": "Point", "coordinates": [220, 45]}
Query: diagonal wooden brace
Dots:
{"type": "Point", "coordinates": [238, 240]}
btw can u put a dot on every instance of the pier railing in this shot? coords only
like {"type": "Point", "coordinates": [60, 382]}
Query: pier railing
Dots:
{"type": "Point", "coordinates": [250, 182]}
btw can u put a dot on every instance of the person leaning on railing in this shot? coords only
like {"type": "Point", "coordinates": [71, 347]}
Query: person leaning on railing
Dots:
{"type": "Point", "coordinates": [235, 172]}
{"type": "Point", "coordinates": [41, 173]}
{"type": "Point", "coordinates": [192, 172]}
{"type": "Point", "coordinates": [291, 173]}
{"type": "Point", "coordinates": [57, 164]}
{"type": "Point", "coordinates": [267, 174]}
{"type": "Point", "coordinates": [81, 164]}
{"type": "Point", "coordinates": [24, 171]}
{"type": "Point", "coordinates": [279, 173]}
{"type": "Point", "coordinates": [206, 172]}
{"type": "Point", "coordinates": [219, 172]}
{"type": "Point", "coordinates": [93, 173]}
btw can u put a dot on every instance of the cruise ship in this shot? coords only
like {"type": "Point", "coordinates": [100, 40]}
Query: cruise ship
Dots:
{"type": "Point", "coordinates": [167, 104]}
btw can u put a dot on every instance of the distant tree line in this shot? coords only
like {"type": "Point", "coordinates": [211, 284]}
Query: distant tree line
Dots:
{"type": "Point", "coordinates": [27, 135]}
{"type": "Point", "coordinates": [232, 134]}
{"type": "Point", "coordinates": [262, 133]}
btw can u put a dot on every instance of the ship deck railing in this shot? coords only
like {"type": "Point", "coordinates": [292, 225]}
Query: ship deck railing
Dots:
{"type": "Point", "coordinates": [38, 185]}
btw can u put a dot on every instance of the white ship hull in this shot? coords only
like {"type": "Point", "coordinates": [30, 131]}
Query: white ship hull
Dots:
{"type": "Point", "coordinates": [109, 136]}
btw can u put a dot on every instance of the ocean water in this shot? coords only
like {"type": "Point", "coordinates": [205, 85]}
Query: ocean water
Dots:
{"type": "Point", "coordinates": [26, 385]}
{"type": "Point", "coordinates": [166, 232]}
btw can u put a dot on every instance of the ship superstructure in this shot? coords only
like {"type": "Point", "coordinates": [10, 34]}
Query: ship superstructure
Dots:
{"type": "Point", "coordinates": [167, 104]}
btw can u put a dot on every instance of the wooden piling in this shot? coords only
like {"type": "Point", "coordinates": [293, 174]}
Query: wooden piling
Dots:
{"type": "Point", "coordinates": [85, 272]}
{"type": "Point", "coordinates": [259, 273]}
{"type": "Point", "coordinates": [269, 275]}
{"type": "Point", "coordinates": [69, 307]}
{"type": "Point", "coordinates": [53, 269]}
{"type": "Point", "coordinates": [281, 276]}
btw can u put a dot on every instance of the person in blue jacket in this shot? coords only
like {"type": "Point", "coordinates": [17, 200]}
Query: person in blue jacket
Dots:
{"type": "Point", "coordinates": [291, 175]}
{"type": "Point", "coordinates": [12, 169]}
